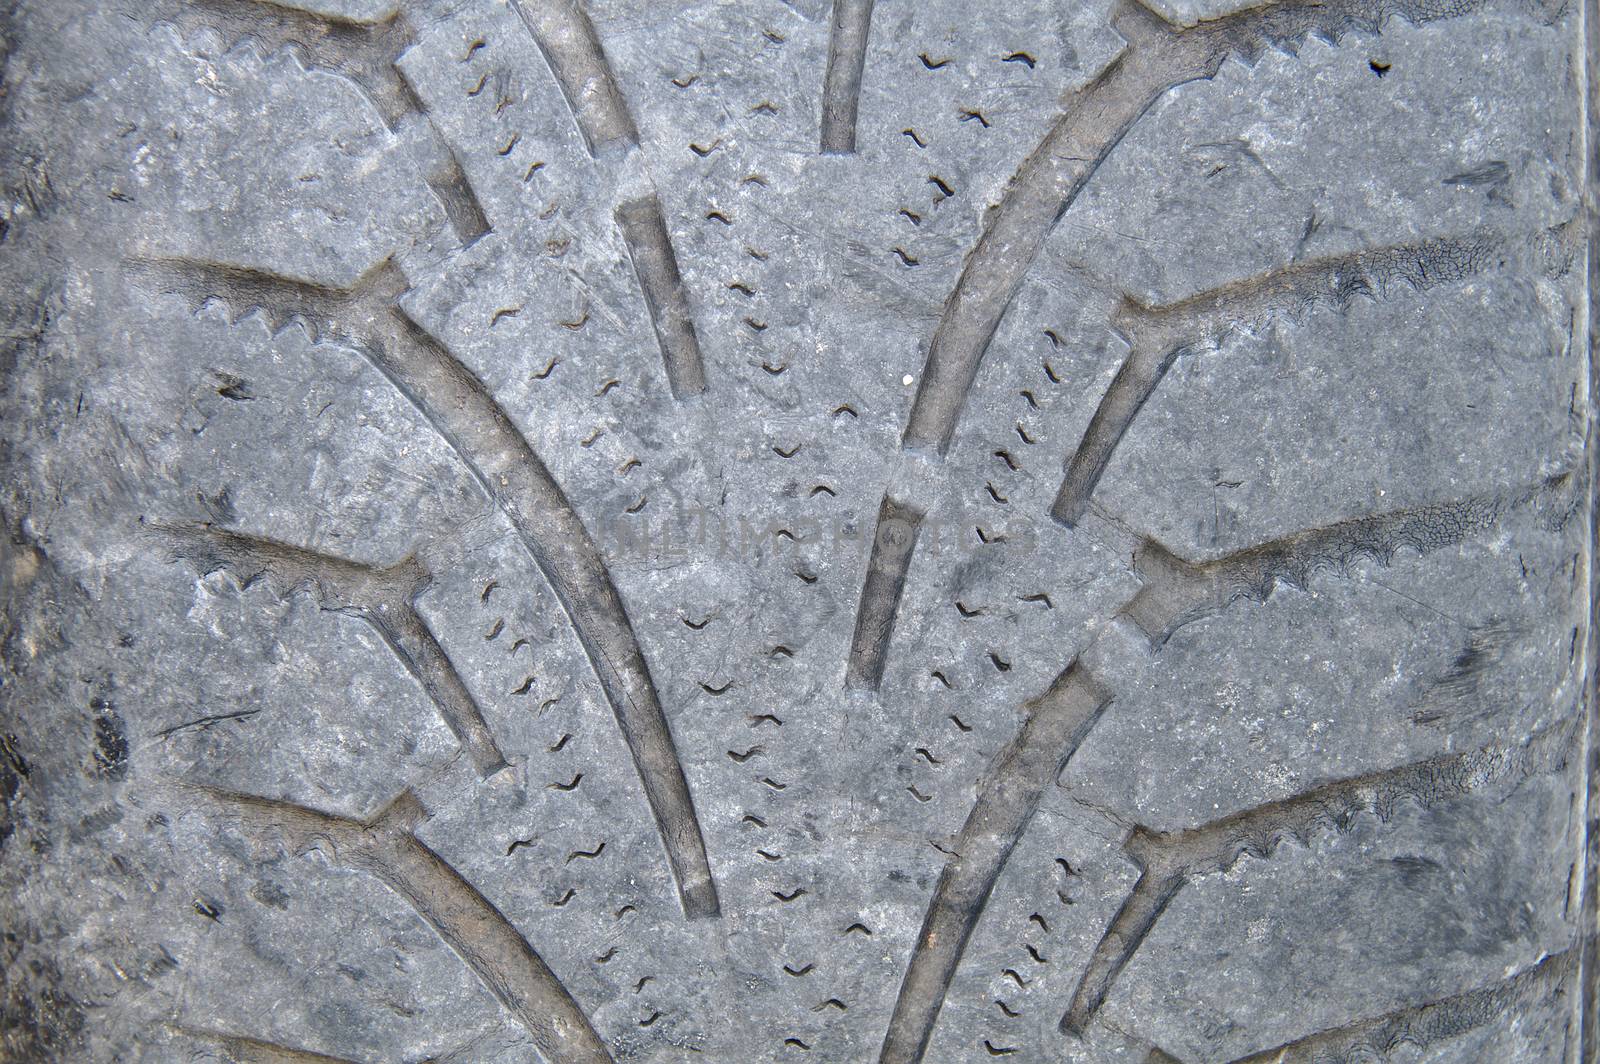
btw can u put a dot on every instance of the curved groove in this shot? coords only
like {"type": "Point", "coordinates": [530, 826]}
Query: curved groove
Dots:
{"type": "Point", "coordinates": [364, 52]}
{"type": "Point", "coordinates": [1178, 592]}
{"type": "Point", "coordinates": [1135, 918]}
{"type": "Point", "coordinates": [572, 49]}
{"type": "Point", "coordinates": [1424, 1026]}
{"type": "Point", "coordinates": [243, 1050]}
{"type": "Point", "coordinates": [461, 207]}
{"type": "Point", "coordinates": [467, 921]}
{"type": "Point", "coordinates": [1168, 860]}
{"type": "Point", "coordinates": [644, 231]}
{"type": "Point", "coordinates": [566, 38]}
{"type": "Point", "coordinates": [894, 539]}
{"type": "Point", "coordinates": [1093, 120]}
{"type": "Point", "coordinates": [1157, 335]}
{"type": "Point", "coordinates": [381, 597]}
{"type": "Point", "coordinates": [841, 84]}
{"type": "Point", "coordinates": [414, 644]}
{"type": "Point", "coordinates": [1158, 57]}
{"type": "Point", "coordinates": [1056, 723]}
{"type": "Point", "coordinates": [1134, 383]}
{"type": "Point", "coordinates": [441, 169]}
{"type": "Point", "coordinates": [463, 412]}
{"type": "Point", "coordinates": [511, 474]}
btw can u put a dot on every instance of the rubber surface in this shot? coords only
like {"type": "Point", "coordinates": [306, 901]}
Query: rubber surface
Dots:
{"type": "Point", "coordinates": [797, 531]}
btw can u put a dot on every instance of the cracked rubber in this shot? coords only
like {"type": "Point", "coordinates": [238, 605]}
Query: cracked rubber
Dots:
{"type": "Point", "coordinates": [797, 530]}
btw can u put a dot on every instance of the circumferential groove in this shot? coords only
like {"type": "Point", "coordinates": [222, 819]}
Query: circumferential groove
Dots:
{"type": "Point", "coordinates": [1009, 795]}
{"type": "Point", "coordinates": [893, 541]}
{"type": "Point", "coordinates": [841, 83]}
{"type": "Point", "coordinates": [644, 232]}
{"type": "Point", "coordinates": [566, 37]}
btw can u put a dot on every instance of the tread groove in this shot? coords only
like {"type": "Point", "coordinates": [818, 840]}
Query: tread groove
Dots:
{"type": "Point", "coordinates": [1056, 723]}
{"type": "Point", "coordinates": [841, 82]}
{"type": "Point", "coordinates": [1158, 57]}
{"type": "Point", "coordinates": [888, 562]}
{"type": "Point", "coordinates": [1169, 860]}
{"type": "Point", "coordinates": [364, 52]}
{"type": "Point", "coordinates": [245, 1050]}
{"type": "Point", "coordinates": [1158, 335]}
{"type": "Point", "coordinates": [381, 597]}
{"type": "Point", "coordinates": [1175, 593]}
{"type": "Point", "coordinates": [644, 232]}
{"type": "Point", "coordinates": [468, 922]}
{"type": "Point", "coordinates": [1093, 120]}
{"type": "Point", "coordinates": [467, 417]}
{"type": "Point", "coordinates": [566, 38]}
{"type": "Point", "coordinates": [570, 46]}
{"type": "Point", "coordinates": [1178, 592]}
{"type": "Point", "coordinates": [1426, 1025]}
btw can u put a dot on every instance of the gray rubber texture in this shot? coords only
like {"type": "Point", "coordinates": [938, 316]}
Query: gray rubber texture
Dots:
{"type": "Point", "coordinates": [796, 530]}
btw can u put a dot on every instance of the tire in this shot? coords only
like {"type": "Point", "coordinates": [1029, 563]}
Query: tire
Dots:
{"type": "Point", "coordinates": [795, 531]}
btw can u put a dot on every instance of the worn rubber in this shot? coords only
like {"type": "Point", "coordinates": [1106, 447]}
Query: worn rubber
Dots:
{"type": "Point", "coordinates": [797, 530]}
